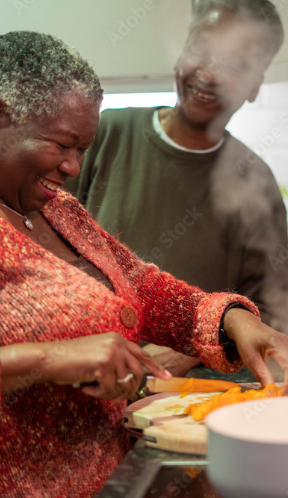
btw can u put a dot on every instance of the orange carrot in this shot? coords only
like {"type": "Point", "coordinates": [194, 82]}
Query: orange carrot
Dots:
{"type": "Point", "coordinates": [200, 410]}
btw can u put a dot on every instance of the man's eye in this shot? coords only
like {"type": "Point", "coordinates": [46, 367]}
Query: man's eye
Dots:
{"type": "Point", "coordinates": [82, 151]}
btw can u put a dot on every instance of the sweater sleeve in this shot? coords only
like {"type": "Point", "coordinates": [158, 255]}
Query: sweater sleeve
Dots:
{"type": "Point", "coordinates": [176, 314]}
{"type": "Point", "coordinates": [1, 396]}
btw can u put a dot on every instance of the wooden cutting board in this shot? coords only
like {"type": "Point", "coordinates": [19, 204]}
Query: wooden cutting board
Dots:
{"type": "Point", "coordinates": [160, 417]}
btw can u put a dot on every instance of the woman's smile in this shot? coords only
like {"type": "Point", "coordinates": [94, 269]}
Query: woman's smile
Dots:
{"type": "Point", "coordinates": [49, 187]}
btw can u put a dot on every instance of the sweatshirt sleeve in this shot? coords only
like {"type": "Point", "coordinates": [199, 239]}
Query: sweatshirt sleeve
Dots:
{"type": "Point", "coordinates": [176, 314]}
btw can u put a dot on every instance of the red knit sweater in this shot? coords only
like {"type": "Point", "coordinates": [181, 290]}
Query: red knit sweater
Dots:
{"type": "Point", "coordinates": [55, 441]}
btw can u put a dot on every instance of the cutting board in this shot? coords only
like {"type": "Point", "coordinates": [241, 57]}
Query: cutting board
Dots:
{"type": "Point", "coordinates": [161, 417]}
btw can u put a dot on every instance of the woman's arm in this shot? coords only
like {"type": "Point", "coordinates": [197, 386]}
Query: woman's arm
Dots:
{"type": "Point", "coordinates": [256, 343]}
{"type": "Point", "coordinates": [22, 363]}
{"type": "Point", "coordinates": [104, 358]}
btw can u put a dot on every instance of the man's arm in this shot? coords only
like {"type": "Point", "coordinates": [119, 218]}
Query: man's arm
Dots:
{"type": "Point", "coordinates": [264, 275]}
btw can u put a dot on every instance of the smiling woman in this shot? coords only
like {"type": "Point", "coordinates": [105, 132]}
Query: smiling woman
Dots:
{"type": "Point", "coordinates": [74, 301]}
{"type": "Point", "coordinates": [47, 151]}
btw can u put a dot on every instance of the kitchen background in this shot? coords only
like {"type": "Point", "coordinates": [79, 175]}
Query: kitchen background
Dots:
{"type": "Point", "coordinates": [134, 44]}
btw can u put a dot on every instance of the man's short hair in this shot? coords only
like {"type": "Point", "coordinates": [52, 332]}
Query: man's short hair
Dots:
{"type": "Point", "coordinates": [257, 10]}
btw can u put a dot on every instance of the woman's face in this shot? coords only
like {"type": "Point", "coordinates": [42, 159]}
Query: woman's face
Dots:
{"type": "Point", "coordinates": [37, 157]}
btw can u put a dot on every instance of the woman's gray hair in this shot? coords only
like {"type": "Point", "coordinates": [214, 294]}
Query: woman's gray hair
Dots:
{"type": "Point", "coordinates": [38, 70]}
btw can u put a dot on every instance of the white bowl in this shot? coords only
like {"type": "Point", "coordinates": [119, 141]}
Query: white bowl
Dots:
{"type": "Point", "coordinates": [248, 449]}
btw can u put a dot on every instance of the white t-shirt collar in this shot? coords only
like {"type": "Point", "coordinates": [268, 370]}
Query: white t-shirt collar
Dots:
{"type": "Point", "coordinates": [159, 130]}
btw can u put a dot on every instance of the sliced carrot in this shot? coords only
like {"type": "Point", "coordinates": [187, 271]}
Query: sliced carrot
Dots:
{"type": "Point", "coordinates": [200, 410]}
{"type": "Point", "coordinates": [206, 386]}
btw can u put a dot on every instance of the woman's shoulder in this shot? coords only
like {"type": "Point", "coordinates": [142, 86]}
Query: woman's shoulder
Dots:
{"type": "Point", "coordinates": [66, 205]}
{"type": "Point", "coordinates": [69, 217]}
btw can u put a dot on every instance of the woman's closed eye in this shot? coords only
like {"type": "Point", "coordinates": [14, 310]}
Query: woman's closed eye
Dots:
{"type": "Point", "coordinates": [81, 150]}
{"type": "Point", "coordinates": [65, 147]}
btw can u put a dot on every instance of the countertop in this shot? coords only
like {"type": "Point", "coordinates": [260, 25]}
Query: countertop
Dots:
{"type": "Point", "coordinates": [134, 476]}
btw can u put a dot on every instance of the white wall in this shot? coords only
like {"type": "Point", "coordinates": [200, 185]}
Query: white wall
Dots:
{"type": "Point", "coordinates": [263, 127]}
{"type": "Point", "coordinates": [100, 30]}
{"type": "Point", "coordinates": [133, 44]}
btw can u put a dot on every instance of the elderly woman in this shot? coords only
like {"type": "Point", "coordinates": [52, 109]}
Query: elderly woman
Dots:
{"type": "Point", "coordinates": [74, 302]}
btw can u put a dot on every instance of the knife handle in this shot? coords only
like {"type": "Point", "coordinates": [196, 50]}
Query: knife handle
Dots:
{"type": "Point", "coordinates": [85, 384]}
{"type": "Point", "coordinates": [95, 383]}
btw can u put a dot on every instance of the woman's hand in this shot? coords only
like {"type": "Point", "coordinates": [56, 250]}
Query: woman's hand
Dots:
{"type": "Point", "coordinates": [256, 343]}
{"type": "Point", "coordinates": [104, 358]}
{"type": "Point", "coordinates": [176, 363]}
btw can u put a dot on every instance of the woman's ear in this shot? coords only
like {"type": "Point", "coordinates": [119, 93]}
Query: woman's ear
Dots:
{"type": "Point", "coordinates": [5, 120]}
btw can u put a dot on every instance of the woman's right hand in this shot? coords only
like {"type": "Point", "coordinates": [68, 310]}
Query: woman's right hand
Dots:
{"type": "Point", "coordinates": [104, 358]}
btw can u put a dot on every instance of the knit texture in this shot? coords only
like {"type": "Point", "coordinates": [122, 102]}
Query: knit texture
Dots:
{"type": "Point", "coordinates": [215, 220]}
{"type": "Point", "coordinates": [56, 441]}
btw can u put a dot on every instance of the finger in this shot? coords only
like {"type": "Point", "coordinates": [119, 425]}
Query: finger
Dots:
{"type": "Point", "coordinates": [130, 386]}
{"type": "Point", "coordinates": [284, 389]}
{"type": "Point", "coordinates": [155, 369]}
{"type": "Point", "coordinates": [145, 359]}
{"type": "Point", "coordinates": [96, 392]}
{"type": "Point", "coordinates": [107, 380]}
{"type": "Point", "coordinates": [260, 370]}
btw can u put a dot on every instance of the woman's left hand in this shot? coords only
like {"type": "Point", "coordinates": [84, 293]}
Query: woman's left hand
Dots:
{"type": "Point", "coordinates": [256, 343]}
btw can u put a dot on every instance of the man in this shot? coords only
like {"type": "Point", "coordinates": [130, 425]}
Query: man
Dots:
{"type": "Point", "coordinates": [181, 191]}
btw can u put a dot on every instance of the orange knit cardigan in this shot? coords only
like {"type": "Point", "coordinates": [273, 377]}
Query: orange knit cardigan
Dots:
{"type": "Point", "coordinates": [54, 440]}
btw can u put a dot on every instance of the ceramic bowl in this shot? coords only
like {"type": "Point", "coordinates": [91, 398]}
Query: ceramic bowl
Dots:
{"type": "Point", "coordinates": [248, 449]}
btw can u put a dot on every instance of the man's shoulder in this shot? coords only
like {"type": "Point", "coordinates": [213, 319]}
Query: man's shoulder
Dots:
{"type": "Point", "coordinates": [244, 183]}
{"type": "Point", "coordinates": [245, 164]}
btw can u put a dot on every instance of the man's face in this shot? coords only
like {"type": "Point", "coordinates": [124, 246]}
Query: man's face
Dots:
{"type": "Point", "coordinates": [221, 66]}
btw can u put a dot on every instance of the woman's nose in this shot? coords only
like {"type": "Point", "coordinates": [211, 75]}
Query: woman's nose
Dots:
{"type": "Point", "coordinates": [71, 165]}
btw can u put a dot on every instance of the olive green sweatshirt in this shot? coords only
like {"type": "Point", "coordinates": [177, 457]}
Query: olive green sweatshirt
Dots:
{"type": "Point", "coordinates": [215, 219]}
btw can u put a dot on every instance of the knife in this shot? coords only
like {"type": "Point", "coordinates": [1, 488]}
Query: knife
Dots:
{"type": "Point", "coordinates": [178, 384]}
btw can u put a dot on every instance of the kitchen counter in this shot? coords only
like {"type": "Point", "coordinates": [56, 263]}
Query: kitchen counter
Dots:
{"type": "Point", "coordinates": [138, 474]}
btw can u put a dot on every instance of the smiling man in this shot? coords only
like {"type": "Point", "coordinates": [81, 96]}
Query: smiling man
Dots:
{"type": "Point", "coordinates": [179, 189]}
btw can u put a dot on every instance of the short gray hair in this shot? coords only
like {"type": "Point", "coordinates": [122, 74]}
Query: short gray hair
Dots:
{"type": "Point", "coordinates": [257, 10]}
{"type": "Point", "coordinates": [38, 70]}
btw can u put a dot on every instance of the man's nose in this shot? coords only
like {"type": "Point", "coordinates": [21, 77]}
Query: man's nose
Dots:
{"type": "Point", "coordinates": [206, 74]}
